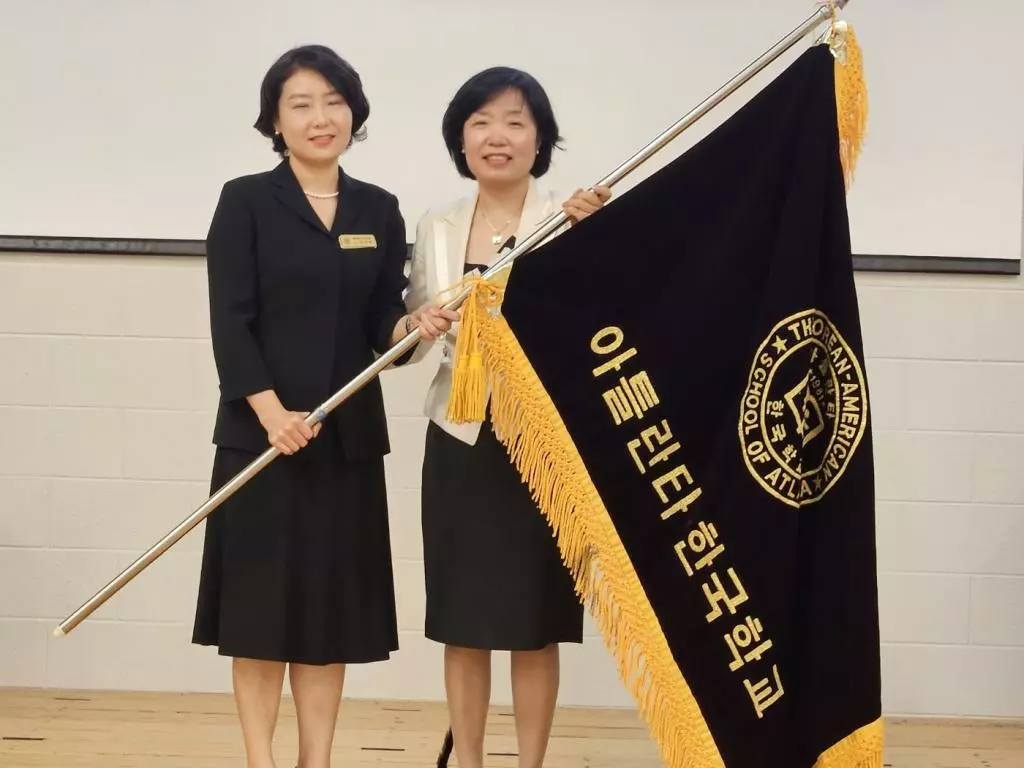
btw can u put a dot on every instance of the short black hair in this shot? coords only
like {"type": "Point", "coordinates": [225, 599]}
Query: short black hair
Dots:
{"type": "Point", "coordinates": [481, 88]}
{"type": "Point", "coordinates": [334, 69]}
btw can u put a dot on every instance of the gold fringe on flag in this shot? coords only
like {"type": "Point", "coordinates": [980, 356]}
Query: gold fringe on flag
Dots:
{"type": "Point", "coordinates": [528, 425]}
{"type": "Point", "coordinates": [864, 747]}
{"type": "Point", "coordinates": [861, 749]}
{"type": "Point", "coordinates": [851, 95]}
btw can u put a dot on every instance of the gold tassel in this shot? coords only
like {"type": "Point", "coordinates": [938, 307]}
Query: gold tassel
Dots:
{"type": "Point", "coordinates": [468, 400]}
{"type": "Point", "coordinates": [851, 95]}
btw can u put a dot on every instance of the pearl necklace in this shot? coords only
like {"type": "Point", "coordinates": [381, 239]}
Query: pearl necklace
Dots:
{"type": "Point", "coordinates": [316, 196]}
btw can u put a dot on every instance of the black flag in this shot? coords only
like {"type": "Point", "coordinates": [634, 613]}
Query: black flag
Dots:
{"type": "Point", "coordinates": [680, 379]}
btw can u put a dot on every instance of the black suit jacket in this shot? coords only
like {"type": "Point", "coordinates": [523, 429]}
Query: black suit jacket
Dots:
{"type": "Point", "coordinates": [293, 311]}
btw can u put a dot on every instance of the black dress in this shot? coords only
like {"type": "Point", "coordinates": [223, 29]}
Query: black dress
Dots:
{"type": "Point", "coordinates": [494, 576]}
{"type": "Point", "coordinates": [297, 563]}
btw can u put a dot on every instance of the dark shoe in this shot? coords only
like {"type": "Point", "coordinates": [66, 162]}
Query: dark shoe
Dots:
{"type": "Point", "coordinates": [446, 750]}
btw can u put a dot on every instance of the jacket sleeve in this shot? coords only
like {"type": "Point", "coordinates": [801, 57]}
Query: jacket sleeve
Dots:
{"type": "Point", "coordinates": [386, 307]}
{"type": "Point", "coordinates": [417, 295]}
{"type": "Point", "coordinates": [234, 297]}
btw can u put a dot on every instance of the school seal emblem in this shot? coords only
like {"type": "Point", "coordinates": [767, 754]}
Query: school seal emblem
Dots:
{"type": "Point", "coordinates": [804, 409]}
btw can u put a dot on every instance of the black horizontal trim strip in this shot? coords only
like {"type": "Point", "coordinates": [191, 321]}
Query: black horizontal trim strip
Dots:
{"type": "Point", "coordinates": [156, 247]}
{"type": "Point", "coordinates": [102, 245]}
{"type": "Point", "coordinates": [956, 265]}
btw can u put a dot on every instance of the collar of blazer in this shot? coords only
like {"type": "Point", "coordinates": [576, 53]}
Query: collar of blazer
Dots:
{"type": "Point", "coordinates": [289, 193]}
{"type": "Point", "coordinates": [458, 219]}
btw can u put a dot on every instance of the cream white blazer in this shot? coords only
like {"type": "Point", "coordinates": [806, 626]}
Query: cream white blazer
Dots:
{"type": "Point", "coordinates": [439, 255]}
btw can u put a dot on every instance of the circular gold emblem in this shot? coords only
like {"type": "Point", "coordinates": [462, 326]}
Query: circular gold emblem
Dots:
{"type": "Point", "coordinates": [804, 410]}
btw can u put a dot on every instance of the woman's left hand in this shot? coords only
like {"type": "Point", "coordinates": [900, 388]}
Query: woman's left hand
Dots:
{"type": "Point", "coordinates": [585, 202]}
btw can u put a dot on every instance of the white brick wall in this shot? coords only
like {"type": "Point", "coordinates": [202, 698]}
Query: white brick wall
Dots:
{"type": "Point", "coordinates": [946, 363]}
{"type": "Point", "coordinates": [106, 395]}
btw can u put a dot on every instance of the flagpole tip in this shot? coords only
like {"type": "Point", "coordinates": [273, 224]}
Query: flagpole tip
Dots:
{"type": "Point", "coordinates": [58, 632]}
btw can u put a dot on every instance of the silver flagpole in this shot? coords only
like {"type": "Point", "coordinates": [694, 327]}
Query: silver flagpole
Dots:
{"type": "Point", "coordinates": [824, 12]}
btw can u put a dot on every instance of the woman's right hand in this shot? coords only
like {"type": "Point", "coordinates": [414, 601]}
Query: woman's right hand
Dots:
{"type": "Point", "coordinates": [287, 430]}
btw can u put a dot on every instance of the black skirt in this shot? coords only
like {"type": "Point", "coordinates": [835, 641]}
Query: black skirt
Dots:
{"type": "Point", "coordinates": [494, 576]}
{"type": "Point", "coordinates": [297, 563]}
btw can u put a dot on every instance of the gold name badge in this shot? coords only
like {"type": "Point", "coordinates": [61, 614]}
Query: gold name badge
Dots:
{"type": "Point", "coordinates": [349, 242]}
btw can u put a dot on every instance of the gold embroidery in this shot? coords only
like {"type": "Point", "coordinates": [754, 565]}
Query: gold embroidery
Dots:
{"type": "Point", "coordinates": [805, 409]}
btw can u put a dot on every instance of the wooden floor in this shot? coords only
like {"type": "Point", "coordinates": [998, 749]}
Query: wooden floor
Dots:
{"type": "Point", "coordinates": [116, 730]}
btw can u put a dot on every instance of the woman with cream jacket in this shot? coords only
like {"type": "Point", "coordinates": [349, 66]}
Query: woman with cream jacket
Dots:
{"type": "Point", "coordinates": [494, 577]}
